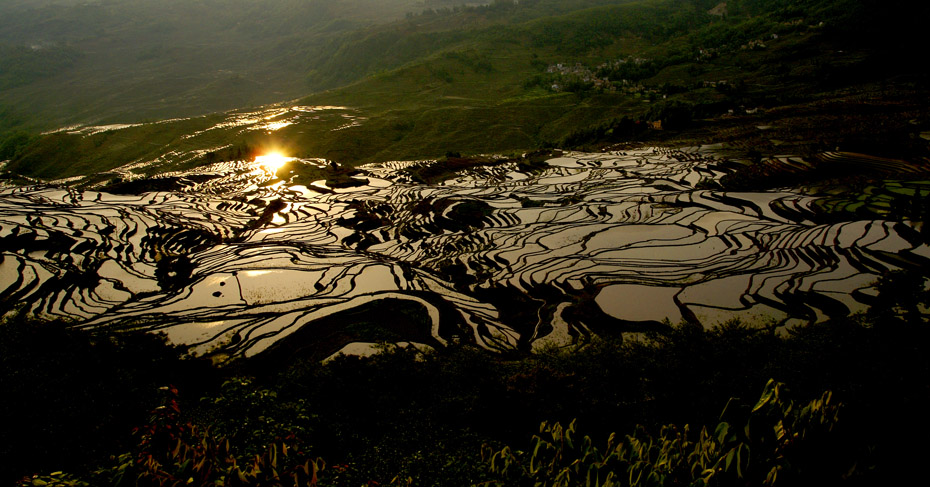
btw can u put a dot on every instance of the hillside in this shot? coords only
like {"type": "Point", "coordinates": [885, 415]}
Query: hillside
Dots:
{"type": "Point", "coordinates": [64, 63]}
{"type": "Point", "coordinates": [495, 79]}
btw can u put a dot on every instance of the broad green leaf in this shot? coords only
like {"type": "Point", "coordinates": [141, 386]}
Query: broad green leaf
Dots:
{"type": "Point", "coordinates": [768, 394]}
{"type": "Point", "coordinates": [729, 458]}
{"type": "Point", "coordinates": [721, 432]}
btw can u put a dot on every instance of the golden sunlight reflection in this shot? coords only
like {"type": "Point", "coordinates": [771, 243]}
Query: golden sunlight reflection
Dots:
{"type": "Point", "coordinates": [272, 126]}
{"type": "Point", "coordinates": [273, 161]}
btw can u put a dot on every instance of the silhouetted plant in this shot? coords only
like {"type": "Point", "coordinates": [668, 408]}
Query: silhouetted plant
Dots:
{"type": "Point", "coordinates": [70, 397]}
{"type": "Point", "coordinates": [901, 294]}
{"type": "Point", "coordinates": [770, 446]}
{"type": "Point", "coordinates": [173, 452]}
{"type": "Point", "coordinates": [252, 416]}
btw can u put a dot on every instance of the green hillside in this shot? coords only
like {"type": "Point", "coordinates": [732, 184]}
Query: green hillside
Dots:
{"type": "Point", "coordinates": [498, 79]}
{"type": "Point", "coordinates": [127, 61]}
{"type": "Point", "coordinates": [122, 61]}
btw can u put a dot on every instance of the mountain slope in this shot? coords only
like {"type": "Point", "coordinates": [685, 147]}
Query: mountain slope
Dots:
{"type": "Point", "coordinates": [131, 60]}
{"type": "Point", "coordinates": [564, 80]}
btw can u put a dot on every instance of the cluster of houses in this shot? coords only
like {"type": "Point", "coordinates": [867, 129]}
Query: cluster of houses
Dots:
{"type": "Point", "coordinates": [756, 44]}
{"type": "Point", "coordinates": [706, 53]}
{"type": "Point", "coordinates": [580, 73]}
{"type": "Point", "coordinates": [620, 62]}
{"type": "Point", "coordinates": [577, 73]}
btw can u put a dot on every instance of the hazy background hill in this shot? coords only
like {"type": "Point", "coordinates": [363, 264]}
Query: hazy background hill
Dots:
{"type": "Point", "coordinates": [67, 62]}
{"type": "Point", "coordinates": [101, 61]}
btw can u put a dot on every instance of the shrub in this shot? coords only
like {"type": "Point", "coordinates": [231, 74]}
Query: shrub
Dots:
{"type": "Point", "coordinates": [776, 442]}
{"type": "Point", "coordinates": [172, 452]}
{"type": "Point", "coordinates": [70, 396]}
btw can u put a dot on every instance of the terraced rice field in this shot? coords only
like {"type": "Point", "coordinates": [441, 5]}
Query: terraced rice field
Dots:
{"type": "Point", "coordinates": [239, 262]}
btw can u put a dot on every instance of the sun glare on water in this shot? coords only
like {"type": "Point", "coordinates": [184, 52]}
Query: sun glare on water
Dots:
{"type": "Point", "coordinates": [273, 161]}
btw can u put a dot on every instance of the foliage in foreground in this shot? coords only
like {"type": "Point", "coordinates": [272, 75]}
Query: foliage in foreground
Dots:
{"type": "Point", "coordinates": [70, 398]}
{"type": "Point", "coordinates": [777, 444]}
{"type": "Point", "coordinates": [421, 418]}
{"type": "Point", "coordinates": [172, 452]}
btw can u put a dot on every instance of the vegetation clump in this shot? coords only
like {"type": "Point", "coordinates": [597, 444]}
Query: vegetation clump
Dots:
{"type": "Point", "coordinates": [779, 443]}
{"type": "Point", "coordinates": [436, 172]}
{"type": "Point", "coordinates": [426, 418]}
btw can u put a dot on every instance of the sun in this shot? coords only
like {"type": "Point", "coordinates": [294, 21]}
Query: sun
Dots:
{"type": "Point", "coordinates": [273, 161]}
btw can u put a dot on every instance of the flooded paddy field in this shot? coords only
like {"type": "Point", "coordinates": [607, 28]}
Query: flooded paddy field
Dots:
{"type": "Point", "coordinates": [242, 258]}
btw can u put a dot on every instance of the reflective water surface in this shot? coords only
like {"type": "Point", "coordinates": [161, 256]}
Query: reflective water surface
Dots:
{"type": "Point", "coordinates": [596, 243]}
